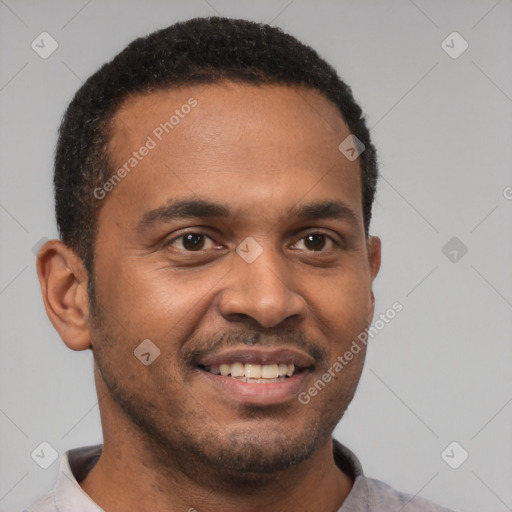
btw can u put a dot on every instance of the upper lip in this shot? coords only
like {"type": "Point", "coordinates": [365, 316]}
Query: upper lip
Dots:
{"type": "Point", "coordinates": [258, 355]}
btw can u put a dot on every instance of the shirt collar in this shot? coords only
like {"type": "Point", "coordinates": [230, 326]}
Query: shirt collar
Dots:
{"type": "Point", "coordinates": [74, 466]}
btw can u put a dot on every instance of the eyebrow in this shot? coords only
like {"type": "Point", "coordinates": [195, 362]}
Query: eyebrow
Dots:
{"type": "Point", "coordinates": [201, 208]}
{"type": "Point", "coordinates": [335, 210]}
{"type": "Point", "coordinates": [183, 209]}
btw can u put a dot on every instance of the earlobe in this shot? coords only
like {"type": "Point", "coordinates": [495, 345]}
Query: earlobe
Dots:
{"type": "Point", "coordinates": [63, 280]}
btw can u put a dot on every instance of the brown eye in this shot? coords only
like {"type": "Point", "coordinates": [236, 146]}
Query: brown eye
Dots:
{"type": "Point", "coordinates": [192, 242]}
{"type": "Point", "coordinates": [316, 242]}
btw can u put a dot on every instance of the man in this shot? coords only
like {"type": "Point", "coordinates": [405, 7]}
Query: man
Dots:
{"type": "Point", "coordinates": [214, 185]}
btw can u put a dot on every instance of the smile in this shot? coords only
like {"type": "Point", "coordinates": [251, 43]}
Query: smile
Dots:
{"type": "Point", "coordinates": [257, 373]}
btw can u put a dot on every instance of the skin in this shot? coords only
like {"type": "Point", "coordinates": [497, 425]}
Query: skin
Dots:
{"type": "Point", "coordinates": [168, 432]}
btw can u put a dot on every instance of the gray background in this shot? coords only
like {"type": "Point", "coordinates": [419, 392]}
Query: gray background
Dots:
{"type": "Point", "coordinates": [440, 371]}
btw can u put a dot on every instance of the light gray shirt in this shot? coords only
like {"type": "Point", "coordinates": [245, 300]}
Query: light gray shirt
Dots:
{"type": "Point", "coordinates": [366, 495]}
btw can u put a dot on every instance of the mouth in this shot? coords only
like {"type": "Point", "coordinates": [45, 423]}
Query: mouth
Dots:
{"type": "Point", "coordinates": [257, 375]}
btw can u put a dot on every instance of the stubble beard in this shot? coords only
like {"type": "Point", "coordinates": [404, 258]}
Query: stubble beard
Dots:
{"type": "Point", "coordinates": [238, 460]}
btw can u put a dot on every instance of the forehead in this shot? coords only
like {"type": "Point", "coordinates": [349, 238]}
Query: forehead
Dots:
{"type": "Point", "coordinates": [232, 98]}
{"type": "Point", "coordinates": [230, 142]}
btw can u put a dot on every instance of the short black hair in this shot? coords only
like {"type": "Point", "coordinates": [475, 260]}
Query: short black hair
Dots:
{"type": "Point", "coordinates": [198, 51]}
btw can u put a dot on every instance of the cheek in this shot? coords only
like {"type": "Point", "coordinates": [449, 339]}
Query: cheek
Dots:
{"type": "Point", "coordinates": [153, 301]}
{"type": "Point", "coordinates": [342, 301]}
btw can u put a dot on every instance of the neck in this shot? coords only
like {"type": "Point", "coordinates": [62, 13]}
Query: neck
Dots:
{"type": "Point", "coordinates": [123, 480]}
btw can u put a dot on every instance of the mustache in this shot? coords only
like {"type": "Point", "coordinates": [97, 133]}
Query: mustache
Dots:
{"type": "Point", "coordinates": [204, 345]}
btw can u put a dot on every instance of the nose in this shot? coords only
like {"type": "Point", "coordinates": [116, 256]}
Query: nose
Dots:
{"type": "Point", "coordinates": [261, 292]}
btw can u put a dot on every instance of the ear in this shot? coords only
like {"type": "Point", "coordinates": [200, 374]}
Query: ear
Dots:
{"type": "Point", "coordinates": [374, 247]}
{"type": "Point", "coordinates": [63, 280]}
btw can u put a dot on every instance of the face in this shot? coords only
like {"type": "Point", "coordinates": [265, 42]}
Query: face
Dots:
{"type": "Point", "coordinates": [235, 244]}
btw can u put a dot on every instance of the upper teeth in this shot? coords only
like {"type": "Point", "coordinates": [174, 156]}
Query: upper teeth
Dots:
{"type": "Point", "coordinates": [253, 371]}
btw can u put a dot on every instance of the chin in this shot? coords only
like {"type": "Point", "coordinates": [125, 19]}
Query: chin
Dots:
{"type": "Point", "coordinates": [247, 455]}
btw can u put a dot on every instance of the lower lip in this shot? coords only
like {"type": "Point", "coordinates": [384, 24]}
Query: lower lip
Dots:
{"type": "Point", "coordinates": [258, 393]}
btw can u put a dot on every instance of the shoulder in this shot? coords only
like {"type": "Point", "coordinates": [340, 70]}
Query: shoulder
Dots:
{"type": "Point", "coordinates": [371, 495]}
{"type": "Point", "coordinates": [383, 497]}
{"type": "Point", "coordinates": [45, 503]}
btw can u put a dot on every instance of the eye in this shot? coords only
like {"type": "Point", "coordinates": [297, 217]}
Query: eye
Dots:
{"type": "Point", "coordinates": [316, 242]}
{"type": "Point", "coordinates": [192, 241]}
